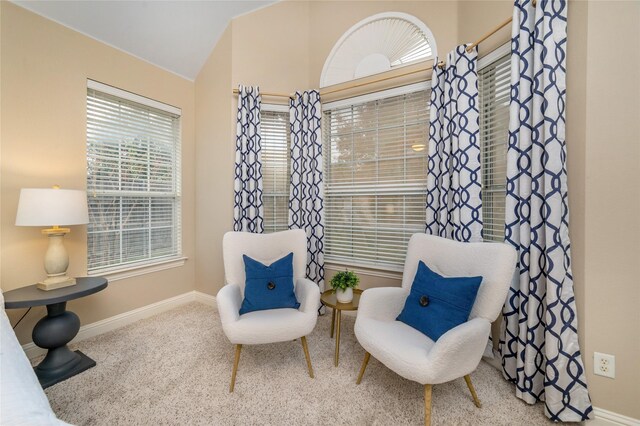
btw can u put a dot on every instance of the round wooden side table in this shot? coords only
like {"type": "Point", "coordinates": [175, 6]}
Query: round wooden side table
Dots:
{"type": "Point", "coordinates": [58, 328]}
{"type": "Point", "coordinates": [329, 299]}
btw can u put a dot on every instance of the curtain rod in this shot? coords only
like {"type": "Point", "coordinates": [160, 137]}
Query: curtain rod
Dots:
{"type": "Point", "coordinates": [353, 86]}
{"type": "Point", "coordinates": [378, 80]}
{"type": "Point", "coordinates": [275, 95]}
{"type": "Point", "coordinates": [489, 34]}
{"type": "Point", "coordinates": [493, 31]}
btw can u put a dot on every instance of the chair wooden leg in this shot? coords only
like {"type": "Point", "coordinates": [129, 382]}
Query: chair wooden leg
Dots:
{"type": "Point", "coordinates": [476, 401]}
{"type": "Point", "coordinates": [303, 339]}
{"type": "Point", "coordinates": [235, 368]}
{"type": "Point", "coordinates": [427, 405]}
{"type": "Point", "coordinates": [367, 355]}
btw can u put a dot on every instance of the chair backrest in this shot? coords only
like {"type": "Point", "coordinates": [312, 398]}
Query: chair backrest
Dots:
{"type": "Point", "coordinates": [264, 248]}
{"type": "Point", "coordinates": [495, 262]}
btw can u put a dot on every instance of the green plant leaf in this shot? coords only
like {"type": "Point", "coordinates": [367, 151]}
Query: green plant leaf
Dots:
{"type": "Point", "coordinates": [344, 279]}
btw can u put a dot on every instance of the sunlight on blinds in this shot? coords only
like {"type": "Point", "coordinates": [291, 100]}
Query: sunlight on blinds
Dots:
{"type": "Point", "coordinates": [274, 127]}
{"type": "Point", "coordinates": [494, 92]}
{"type": "Point", "coordinates": [375, 178]}
{"type": "Point", "coordinates": [133, 182]}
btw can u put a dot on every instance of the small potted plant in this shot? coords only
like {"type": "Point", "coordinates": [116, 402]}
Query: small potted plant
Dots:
{"type": "Point", "coordinates": [343, 283]}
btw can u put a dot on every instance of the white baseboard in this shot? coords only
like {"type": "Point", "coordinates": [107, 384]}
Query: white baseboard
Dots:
{"type": "Point", "coordinates": [205, 298]}
{"type": "Point", "coordinates": [609, 417]}
{"type": "Point", "coordinates": [126, 318]}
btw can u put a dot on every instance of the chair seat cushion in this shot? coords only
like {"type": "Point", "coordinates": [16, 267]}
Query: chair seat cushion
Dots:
{"type": "Point", "coordinates": [400, 347]}
{"type": "Point", "coordinates": [436, 304]}
{"type": "Point", "coordinates": [271, 326]}
{"type": "Point", "coordinates": [268, 287]}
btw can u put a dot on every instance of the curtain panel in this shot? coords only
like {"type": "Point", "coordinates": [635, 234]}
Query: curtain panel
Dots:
{"type": "Point", "coordinates": [539, 345]}
{"type": "Point", "coordinates": [453, 203]}
{"type": "Point", "coordinates": [306, 198]}
{"type": "Point", "coordinates": [247, 186]}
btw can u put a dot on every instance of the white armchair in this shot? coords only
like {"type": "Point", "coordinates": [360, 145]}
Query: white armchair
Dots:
{"type": "Point", "coordinates": [274, 325]}
{"type": "Point", "coordinates": [456, 353]}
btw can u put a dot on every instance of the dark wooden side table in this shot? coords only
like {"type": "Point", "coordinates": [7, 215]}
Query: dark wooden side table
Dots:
{"type": "Point", "coordinates": [329, 299]}
{"type": "Point", "coordinates": [58, 328]}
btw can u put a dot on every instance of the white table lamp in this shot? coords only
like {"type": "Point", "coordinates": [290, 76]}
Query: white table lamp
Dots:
{"type": "Point", "coordinates": [53, 207]}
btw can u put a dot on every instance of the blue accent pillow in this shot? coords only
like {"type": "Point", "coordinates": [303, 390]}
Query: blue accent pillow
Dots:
{"type": "Point", "coordinates": [436, 304]}
{"type": "Point", "coordinates": [268, 287]}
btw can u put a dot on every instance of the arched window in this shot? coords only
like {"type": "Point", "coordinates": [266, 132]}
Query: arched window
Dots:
{"type": "Point", "coordinates": [377, 44]}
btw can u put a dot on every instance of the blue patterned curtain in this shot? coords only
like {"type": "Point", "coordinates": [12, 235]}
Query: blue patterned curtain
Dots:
{"type": "Point", "coordinates": [454, 204]}
{"type": "Point", "coordinates": [539, 347]}
{"type": "Point", "coordinates": [247, 187]}
{"type": "Point", "coordinates": [306, 205]}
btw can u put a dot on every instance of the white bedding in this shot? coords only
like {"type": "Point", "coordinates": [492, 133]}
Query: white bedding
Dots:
{"type": "Point", "coordinates": [22, 400]}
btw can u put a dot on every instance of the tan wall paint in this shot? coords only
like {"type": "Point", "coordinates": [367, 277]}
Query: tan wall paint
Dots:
{"type": "Point", "coordinates": [270, 48]}
{"type": "Point", "coordinates": [215, 150]}
{"type": "Point", "coordinates": [612, 202]}
{"type": "Point", "coordinates": [603, 111]}
{"type": "Point", "coordinates": [44, 71]}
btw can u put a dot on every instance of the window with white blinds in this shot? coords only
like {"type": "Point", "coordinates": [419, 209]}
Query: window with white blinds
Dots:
{"type": "Point", "coordinates": [275, 136]}
{"type": "Point", "coordinates": [133, 179]}
{"type": "Point", "coordinates": [494, 92]}
{"type": "Point", "coordinates": [375, 176]}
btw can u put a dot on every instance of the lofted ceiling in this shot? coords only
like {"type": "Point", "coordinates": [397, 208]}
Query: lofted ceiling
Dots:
{"type": "Point", "coordinates": [175, 35]}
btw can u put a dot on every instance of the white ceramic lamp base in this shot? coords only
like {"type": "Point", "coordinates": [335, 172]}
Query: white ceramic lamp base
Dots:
{"type": "Point", "coordinates": [56, 261]}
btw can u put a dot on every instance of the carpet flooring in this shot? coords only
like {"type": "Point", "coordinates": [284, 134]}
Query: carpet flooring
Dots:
{"type": "Point", "coordinates": [174, 369]}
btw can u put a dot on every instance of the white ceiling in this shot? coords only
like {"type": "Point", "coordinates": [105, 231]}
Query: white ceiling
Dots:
{"type": "Point", "coordinates": [175, 35]}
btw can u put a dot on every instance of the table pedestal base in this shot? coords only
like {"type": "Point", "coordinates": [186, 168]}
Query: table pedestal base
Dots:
{"type": "Point", "coordinates": [53, 332]}
{"type": "Point", "coordinates": [49, 377]}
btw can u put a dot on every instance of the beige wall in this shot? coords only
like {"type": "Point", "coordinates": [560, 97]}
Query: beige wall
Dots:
{"type": "Point", "coordinates": [43, 83]}
{"type": "Point", "coordinates": [283, 48]}
{"type": "Point", "coordinates": [215, 148]}
{"type": "Point", "coordinates": [603, 111]}
{"type": "Point", "coordinates": [612, 201]}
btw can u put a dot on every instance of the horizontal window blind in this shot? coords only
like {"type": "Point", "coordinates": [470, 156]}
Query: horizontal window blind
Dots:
{"type": "Point", "coordinates": [274, 128]}
{"type": "Point", "coordinates": [133, 182]}
{"type": "Point", "coordinates": [494, 92]}
{"type": "Point", "coordinates": [375, 178]}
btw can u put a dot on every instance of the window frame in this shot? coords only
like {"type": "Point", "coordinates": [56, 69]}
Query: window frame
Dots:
{"type": "Point", "coordinates": [380, 269]}
{"type": "Point", "coordinates": [133, 268]}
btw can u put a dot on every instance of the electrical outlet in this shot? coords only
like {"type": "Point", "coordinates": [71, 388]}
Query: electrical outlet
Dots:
{"type": "Point", "coordinates": [604, 365]}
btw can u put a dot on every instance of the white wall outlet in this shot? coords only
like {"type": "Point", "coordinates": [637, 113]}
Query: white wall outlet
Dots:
{"type": "Point", "coordinates": [604, 365]}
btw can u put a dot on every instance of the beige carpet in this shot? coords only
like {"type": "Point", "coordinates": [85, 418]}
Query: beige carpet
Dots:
{"type": "Point", "coordinates": [174, 369]}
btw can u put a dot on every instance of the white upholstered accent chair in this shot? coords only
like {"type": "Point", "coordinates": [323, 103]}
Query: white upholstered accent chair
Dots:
{"type": "Point", "coordinates": [274, 325]}
{"type": "Point", "coordinates": [456, 353]}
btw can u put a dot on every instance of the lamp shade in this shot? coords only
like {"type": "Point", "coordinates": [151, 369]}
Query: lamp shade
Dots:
{"type": "Point", "coordinates": [52, 207]}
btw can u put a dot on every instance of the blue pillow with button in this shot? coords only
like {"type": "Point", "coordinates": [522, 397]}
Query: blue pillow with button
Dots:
{"type": "Point", "coordinates": [436, 304]}
{"type": "Point", "coordinates": [268, 287]}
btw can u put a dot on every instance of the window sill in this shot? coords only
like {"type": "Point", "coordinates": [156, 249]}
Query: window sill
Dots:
{"type": "Point", "coordinates": [366, 270]}
{"type": "Point", "coordinates": [134, 271]}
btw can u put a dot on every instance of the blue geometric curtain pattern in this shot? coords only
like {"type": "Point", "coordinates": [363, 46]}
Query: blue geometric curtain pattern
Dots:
{"type": "Point", "coordinates": [539, 345]}
{"type": "Point", "coordinates": [306, 197]}
{"type": "Point", "coordinates": [247, 187]}
{"type": "Point", "coordinates": [454, 204]}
